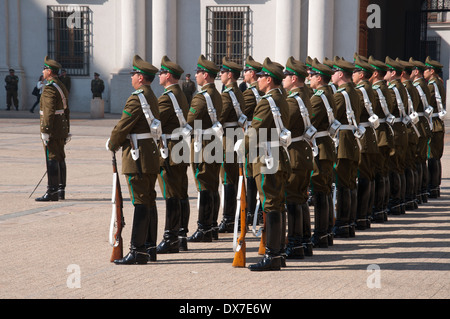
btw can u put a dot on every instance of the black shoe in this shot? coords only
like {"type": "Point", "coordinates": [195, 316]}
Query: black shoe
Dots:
{"type": "Point", "coordinates": [295, 252]}
{"type": "Point", "coordinates": [151, 253]}
{"type": "Point", "coordinates": [132, 258]}
{"type": "Point", "coordinates": [182, 243]}
{"type": "Point", "coordinates": [320, 241]}
{"type": "Point", "coordinates": [341, 231]}
{"type": "Point", "coordinates": [61, 194]}
{"type": "Point", "coordinates": [168, 246]}
{"type": "Point", "coordinates": [308, 249]}
{"type": "Point", "coordinates": [226, 226]}
{"type": "Point", "coordinates": [201, 236]}
{"type": "Point", "coordinates": [268, 263]}
{"type": "Point", "coordinates": [48, 197]}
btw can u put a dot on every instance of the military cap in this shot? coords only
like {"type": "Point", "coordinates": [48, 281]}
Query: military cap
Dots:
{"type": "Point", "coordinates": [319, 68]}
{"type": "Point", "coordinates": [295, 67]}
{"type": "Point", "coordinates": [205, 65]}
{"type": "Point", "coordinates": [52, 64]}
{"type": "Point", "coordinates": [251, 64]}
{"type": "Point", "coordinates": [228, 65]}
{"type": "Point", "coordinates": [11, 70]}
{"type": "Point", "coordinates": [272, 69]}
{"type": "Point", "coordinates": [377, 65]}
{"type": "Point", "coordinates": [418, 64]}
{"type": "Point", "coordinates": [171, 67]}
{"type": "Point", "coordinates": [141, 66]}
{"type": "Point", "coordinates": [95, 73]}
{"type": "Point", "coordinates": [328, 62]}
{"type": "Point", "coordinates": [361, 58]}
{"type": "Point", "coordinates": [433, 64]}
{"type": "Point", "coordinates": [308, 62]}
{"type": "Point", "coordinates": [406, 65]}
{"type": "Point", "coordinates": [394, 65]}
{"type": "Point", "coordinates": [339, 64]}
{"type": "Point", "coordinates": [362, 65]}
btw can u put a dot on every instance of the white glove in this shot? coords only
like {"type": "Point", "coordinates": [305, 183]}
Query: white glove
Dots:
{"type": "Point", "coordinates": [68, 138]}
{"type": "Point", "coordinates": [107, 145]}
{"type": "Point", "coordinates": [45, 138]}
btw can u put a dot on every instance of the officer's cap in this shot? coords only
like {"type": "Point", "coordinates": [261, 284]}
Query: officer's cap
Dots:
{"type": "Point", "coordinates": [96, 74]}
{"type": "Point", "coordinates": [361, 58]}
{"type": "Point", "coordinates": [319, 68]}
{"type": "Point", "coordinates": [11, 70]}
{"type": "Point", "coordinates": [171, 67]}
{"type": "Point", "coordinates": [418, 64]}
{"type": "Point", "coordinates": [295, 67]}
{"type": "Point", "coordinates": [205, 65]}
{"type": "Point", "coordinates": [228, 65]}
{"type": "Point", "coordinates": [251, 64]}
{"type": "Point", "coordinates": [394, 65]}
{"type": "Point", "coordinates": [52, 64]}
{"type": "Point", "coordinates": [362, 65]}
{"type": "Point", "coordinates": [329, 63]}
{"type": "Point", "coordinates": [339, 64]}
{"type": "Point", "coordinates": [308, 62]}
{"type": "Point", "coordinates": [433, 64]}
{"type": "Point", "coordinates": [143, 67]}
{"type": "Point", "coordinates": [272, 69]}
{"type": "Point", "coordinates": [377, 65]}
{"type": "Point", "coordinates": [406, 65]}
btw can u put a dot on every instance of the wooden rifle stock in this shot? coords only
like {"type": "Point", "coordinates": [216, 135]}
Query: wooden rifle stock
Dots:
{"type": "Point", "coordinates": [239, 255]}
{"type": "Point", "coordinates": [262, 243]}
{"type": "Point", "coordinates": [118, 217]}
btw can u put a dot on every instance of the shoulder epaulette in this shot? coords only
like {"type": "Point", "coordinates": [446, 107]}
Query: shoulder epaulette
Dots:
{"type": "Point", "coordinates": [416, 83]}
{"type": "Point", "coordinates": [340, 90]}
{"type": "Point", "coordinates": [201, 92]}
{"type": "Point", "coordinates": [293, 94]}
{"type": "Point", "coordinates": [266, 96]}
{"type": "Point", "coordinates": [319, 92]}
{"type": "Point", "coordinates": [167, 92]}
{"type": "Point", "coordinates": [358, 86]}
{"type": "Point", "coordinates": [227, 90]}
{"type": "Point", "coordinates": [50, 83]}
{"type": "Point", "coordinates": [432, 81]}
{"type": "Point", "coordinates": [137, 92]}
{"type": "Point", "coordinates": [391, 86]}
{"type": "Point", "coordinates": [376, 86]}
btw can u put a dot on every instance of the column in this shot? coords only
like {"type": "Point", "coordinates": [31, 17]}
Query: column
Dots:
{"type": "Point", "coordinates": [320, 29]}
{"type": "Point", "coordinates": [287, 38]}
{"type": "Point", "coordinates": [164, 30]}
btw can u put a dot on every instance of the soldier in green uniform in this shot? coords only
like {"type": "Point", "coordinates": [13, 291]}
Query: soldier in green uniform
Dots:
{"type": "Point", "coordinates": [55, 127]}
{"type": "Point", "coordinates": [232, 119]}
{"type": "Point", "coordinates": [424, 127]}
{"type": "Point", "coordinates": [66, 80]}
{"type": "Point", "coordinates": [369, 151]}
{"type": "Point", "coordinates": [206, 147]}
{"type": "Point", "coordinates": [348, 112]}
{"type": "Point", "coordinates": [437, 101]}
{"type": "Point", "coordinates": [382, 107]}
{"type": "Point", "coordinates": [301, 159]}
{"type": "Point", "coordinates": [397, 161]}
{"type": "Point", "coordinates": [97, 86]}
{"type": "Point", "coordinates": [173, 180]}
{"type": "Point", "coordinates": [322, 118]}
{"type": "Point", "coordinates": [140, 161]}
{"type": "Point", "coordinates": [414, 103]}
{"type": "Point", "coordinates": [12, 87]}
{"type": "Point", "coordinates": [271, 167]}
{"type": "Point", "coordinates": [252, 95]}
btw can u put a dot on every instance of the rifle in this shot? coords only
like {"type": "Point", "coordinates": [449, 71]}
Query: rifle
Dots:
{"type": "Point", "coordinates": [262, 243]}
{"type": "Point", "coordinates": [117, 218]}
{"type": "Point", "coordinates": [239, 255]}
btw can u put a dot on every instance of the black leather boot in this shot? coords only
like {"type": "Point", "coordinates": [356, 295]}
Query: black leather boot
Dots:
{"type": "Point", "coordinates": [363, 200]}
{"type": "Point", "coordinates": [251, 193]}
{"type": "Point", "coordinates": [170, 242]}
{"type": "Point", "coordinates": [215, 215]}
{"type": "Point", "coordinates": [395, 197]}
{"type": "Point", "coordinates": [378, 207]}
{"type": "Point", "coordinates": [343, 198]}
{"type": "Point", "coordinates": [52, 182]}
{"type": "Point", "coordinates": [152, 233]}
{"type": "Point", "coordinates": [294, 247]}
{"type": "Point", "coordinates": [306, 239]}
{"type": "Point", "coordinates": [424, 187]}
{"type": "Point", "coordinates": [272, 257]}
{"type": "Point", "coordinates": [433, 178]}
{"type": "Point", "coordinates": [410, 185]}
{"type": "Point", "coordinates": [353, 212]}
{"type": "Point", "coordinates": [184, 222]}
{"type": "Point", "coordinates": [229, 209]}
{"type": "Point", "coordinates": [62, 180]}
{"type": "Point", "coordinates": [205, 211]}
{"type": "Point", "coordinates": [137, 254]}
{"type": "Point", "coordinates": [321, 211]}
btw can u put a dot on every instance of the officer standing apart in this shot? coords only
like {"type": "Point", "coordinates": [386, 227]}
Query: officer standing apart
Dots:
{"type": "Point", "coordinates": [348, 112]}
{"type": "Point", "coordinates": [437, 101]}
{"type": "Point", "coordinates": [12, 87]}
{"type": "Point", "coordinates": [232, 105]}
{"type": "Point", "coordinates": [66, 80]}
{"type": "Point", "coordinates": [140, 161]}
{"type": "Point", "coordinates": [252, 95]}
{"type": "Point", "coordinates": [97, 86]}
{"type": "Point", "coordinates": [270, 176]}
{"type": "Point", "coordinates": [173, 180]}
{"type": "Point", "coordinates": [206, 147]}
{"type": "Point", "coordinates": [322, 118]}
{"type": "Point", "coordinates": [55, 126]}
{"type": "Point", "coordinates": [301, 159]}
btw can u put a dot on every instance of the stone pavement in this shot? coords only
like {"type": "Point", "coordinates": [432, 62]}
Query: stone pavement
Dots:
{"type": "Point", "coordinates": [60, 250]}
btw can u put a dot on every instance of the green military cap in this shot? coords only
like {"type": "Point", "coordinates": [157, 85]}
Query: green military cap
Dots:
{"type": "Point", "coordinates": [11, 70]}
{"type": "Point", "coordinates": [52, 64]}
{"type": "Point", "coordinates": [406, 65]}
{"type": "Point", "coordinates": [295, 67]}
{"type": "Point", "coordinates": [361, 58]}
{"type": "Point", "coordinates": [328, 62]}
{"type": "Point", "coordinates": [251, 64]}
{"type": "Point", "coordinates": [417, 64]}
{"type": "Point", "coordinates": [319, 68]}
{"type": "Point", "coordinates": [339, 64]}
{"type": "Point", "coordinates": [361, 65]}
{"type": "Point", "coordinates": [141, 66]}
{"type": "Point", "coordinates": [308, 62]}
{"type": "Point", "coordinates": [394, 65]}
{"type": "Point", "coordinates": [171, 67]}
{"type": "Point", "coordinates": [433, 64]}
{"type": "Point", "coordinates": [272, 69]}
{"type": "Point", "coordinates": [205, 65]}
{"type": "Point", "coordinates": [377, 65]}
{"type": "Point", "coordinates": [228, 65]}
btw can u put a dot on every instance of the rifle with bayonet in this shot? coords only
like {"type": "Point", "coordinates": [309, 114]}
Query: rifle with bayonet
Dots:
{"type": "Point", "coordinates": [117, 218]}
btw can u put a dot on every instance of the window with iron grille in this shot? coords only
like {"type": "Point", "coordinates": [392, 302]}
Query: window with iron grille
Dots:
{"type": "Point", "coordinates": [227, 33]}
{"type": "Point", "coordinates": [69, 33]}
